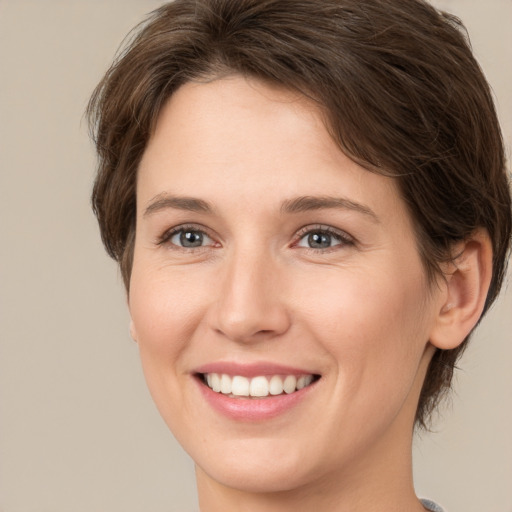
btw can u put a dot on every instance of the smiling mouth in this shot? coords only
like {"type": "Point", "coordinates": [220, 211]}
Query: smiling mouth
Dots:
{"type": "Point", "coordinates": [238, 386]}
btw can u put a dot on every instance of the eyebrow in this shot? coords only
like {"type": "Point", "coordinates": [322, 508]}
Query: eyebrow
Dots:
{"type": "Point", "coordinates": [190, 204]}
{"type": "Point", "coordinates": [295, 205]}
{"type": "Point", "coordinates": [309, 203]}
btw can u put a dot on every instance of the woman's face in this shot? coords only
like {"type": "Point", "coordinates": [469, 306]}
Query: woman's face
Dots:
{"type": "Point", "coordinates": [266, 259]}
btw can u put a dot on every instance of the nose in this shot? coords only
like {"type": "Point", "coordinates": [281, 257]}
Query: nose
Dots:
{"type": "Point", "coordinates": [250, 302]}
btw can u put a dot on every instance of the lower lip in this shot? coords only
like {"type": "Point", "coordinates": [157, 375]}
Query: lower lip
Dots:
{"type": "Point", "coordinates": [253, 409]}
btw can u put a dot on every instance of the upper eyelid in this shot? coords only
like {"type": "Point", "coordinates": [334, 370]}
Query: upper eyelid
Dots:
{"type": "Point", "coordinates": [299, 234]}
{"type": "Point", "coordinates": [325, 228]}
{"type": "Point", "coordinates": [169, 233]}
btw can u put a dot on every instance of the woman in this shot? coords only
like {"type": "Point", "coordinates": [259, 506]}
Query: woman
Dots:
{"type": "Point", "coordinates": [311, 212]}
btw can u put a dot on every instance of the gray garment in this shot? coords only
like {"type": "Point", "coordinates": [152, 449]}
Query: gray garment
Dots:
{"type": "Point", "coordinates": [430, 505]}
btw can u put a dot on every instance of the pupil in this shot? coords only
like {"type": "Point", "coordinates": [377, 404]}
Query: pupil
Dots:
{"type": "Point", "coordinates": [319, 240]}
{"type": "Point", "coordinates": [191, 239]}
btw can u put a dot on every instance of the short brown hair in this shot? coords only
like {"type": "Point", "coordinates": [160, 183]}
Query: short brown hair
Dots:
{"type": "Point", "coordinates": [396, 79]}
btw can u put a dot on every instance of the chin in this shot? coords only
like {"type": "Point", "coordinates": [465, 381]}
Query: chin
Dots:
{"type": "Point", "coordinates": [260, 468]}
{"type": "Point", "coordinates": [260, 480]}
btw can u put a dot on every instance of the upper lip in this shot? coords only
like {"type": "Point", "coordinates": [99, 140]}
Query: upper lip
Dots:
{"type": "Point", "coordinates": [262, 368]}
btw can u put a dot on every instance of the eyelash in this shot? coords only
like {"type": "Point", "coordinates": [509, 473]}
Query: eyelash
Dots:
{"type": "Point", "coordinates": [340, 236]}
{"type": "Point", "coordinates": [165, 238]}
{"type": "Point", "coordinates": [343, 238]}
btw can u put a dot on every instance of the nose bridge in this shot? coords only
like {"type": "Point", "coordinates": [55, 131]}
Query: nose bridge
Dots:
{"type": "Point", "coordinates": [250, 305]}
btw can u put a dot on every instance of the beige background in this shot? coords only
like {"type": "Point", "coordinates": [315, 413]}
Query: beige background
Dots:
{"type": "Point", "coordinates": [78, 430]}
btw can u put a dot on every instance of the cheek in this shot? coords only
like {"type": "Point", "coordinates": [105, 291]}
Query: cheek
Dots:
{"type": "Point", "coordinates": [374, 326]}
{"type": "Point", "coordinates": [164, 306]}
{"type": "Point", "coordinates": [165, 311]}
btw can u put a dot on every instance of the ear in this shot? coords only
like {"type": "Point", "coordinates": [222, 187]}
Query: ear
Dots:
{"type": "Point", "coordinates": [465, 287]}
{"type": "Point", "coordinates": [133, 332]}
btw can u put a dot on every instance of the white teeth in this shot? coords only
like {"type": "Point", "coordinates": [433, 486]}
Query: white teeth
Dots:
{"type": "Point", "coordinates": [301, 382]}
{"type": "Point", "coordinates": [289, 384]}
{"type": "Point", "coordinates": [215, 383]}
{"type": "Point", "coordinates": [260, 386]}
{"type": "Point", "coordinates": [304, 380]}
{"type": "Point", "coordinates": [276, 385]}
{"type": "Point", "coordinates": [225, 384]}
{"type": "Point", "coordinates": [240, 386]}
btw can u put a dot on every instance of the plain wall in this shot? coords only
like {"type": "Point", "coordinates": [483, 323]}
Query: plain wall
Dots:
{"type": "Point", "coordinates": [78, 430]}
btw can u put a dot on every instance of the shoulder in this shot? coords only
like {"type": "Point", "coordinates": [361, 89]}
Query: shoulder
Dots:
{"type": "Point", "coordinates": [430, 505]}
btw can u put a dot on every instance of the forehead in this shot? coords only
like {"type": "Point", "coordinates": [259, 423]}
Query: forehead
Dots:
{"type": "Point", "coordinates": [240, 139]}
{"type": "Point", "coordinates": [235, 119]}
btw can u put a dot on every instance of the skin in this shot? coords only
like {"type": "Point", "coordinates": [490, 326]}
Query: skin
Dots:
{"type": "Point", "coordinates": [360, 313]}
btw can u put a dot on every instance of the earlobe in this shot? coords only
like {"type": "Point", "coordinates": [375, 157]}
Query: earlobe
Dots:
{"type": "Point", "coordinates": [133, 332]}
{"type": "Point", "coordinates": [465, 290]}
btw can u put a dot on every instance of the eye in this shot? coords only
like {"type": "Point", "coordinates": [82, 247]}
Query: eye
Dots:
{"type": "Point", "coordinates": [187, 238]}
{"type": "Point", "coordinates": [323, 238]}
